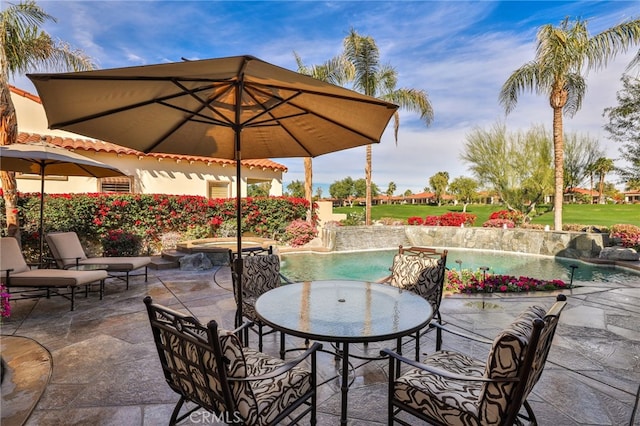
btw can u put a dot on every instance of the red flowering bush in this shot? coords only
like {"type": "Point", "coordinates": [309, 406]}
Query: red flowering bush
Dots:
{"type": "Point", "coordinates": [517, 217]}
{"type": "Point", "coordinates": [469, 282]}
{"type": "Point", "coordinates": [150, 216]}
{"type": "Point", "coordinates": [415, 220]}
{"type": "Point", "coordinates": [629, 235]}
{"type": "Point", "coordinates": [299, 232]}
{"type": "Point", "coordinates": [5, 306]}
{"type": "Point", "coordinates": [451, 219]}
{"type": "Point", "coordinates": [120, 243]}
{"type": "Point", "coordinates": [499, 223]}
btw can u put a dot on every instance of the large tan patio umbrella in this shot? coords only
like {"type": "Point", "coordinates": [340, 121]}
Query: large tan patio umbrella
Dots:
{"type": "Point", "coordinates": [46, 159]}
{"type": "Point", "coordinates": [235, 108]}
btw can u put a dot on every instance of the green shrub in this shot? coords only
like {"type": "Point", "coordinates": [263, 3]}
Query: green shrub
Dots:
{"type": "Point", "coordinates": [117, 242]}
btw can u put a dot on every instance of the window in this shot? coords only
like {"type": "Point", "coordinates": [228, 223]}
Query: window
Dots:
{"type": "Point", "coordinates": [218, 190]}
{"type": "Point", "coordinates": [116, 184]}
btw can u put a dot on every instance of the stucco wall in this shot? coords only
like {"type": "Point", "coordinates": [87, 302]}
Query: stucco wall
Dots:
{"type": "Point", "coordinates": [151, 175]}
{"type": "Point", "coordinates": [549, 243]}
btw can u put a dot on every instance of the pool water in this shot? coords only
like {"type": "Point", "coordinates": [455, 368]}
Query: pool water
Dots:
{"type": "Point", "coordinates": [373, 265]}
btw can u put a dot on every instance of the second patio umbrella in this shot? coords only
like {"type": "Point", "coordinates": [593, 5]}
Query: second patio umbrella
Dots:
{"type": "Point", "coordinates": [235, 108]}
{"type": "Point", "coordinates": [45, 159]}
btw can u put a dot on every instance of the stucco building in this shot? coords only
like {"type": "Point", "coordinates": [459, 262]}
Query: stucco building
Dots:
{"type": "Point", "coordinates": [145, 173]}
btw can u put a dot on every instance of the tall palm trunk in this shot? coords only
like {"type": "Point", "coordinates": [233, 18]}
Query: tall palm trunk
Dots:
{"type": "Point", "coordinates": [601, 189]}
{"type": "Point", "coordinates": [367, 175]}
{"type": "Point", "coordinates": [8, 135]}
{"type": "Point", "coordinates": [557, 101]}
{"type": "Point", "coordinates": [308, 186]}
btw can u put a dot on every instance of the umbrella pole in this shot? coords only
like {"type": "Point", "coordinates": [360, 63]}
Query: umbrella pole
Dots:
{"type": "Point", "coordinates": [238, 154]}
{"type": "Point", "coordinates": [237, 267]}
{"type": "Point", "coordinates": [41, 217]}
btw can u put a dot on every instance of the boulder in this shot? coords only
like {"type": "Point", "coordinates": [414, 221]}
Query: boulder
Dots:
{"type": "Point", "coordinates": [195, 262]}
{"type": "Point", "coordinates": [619, 253]}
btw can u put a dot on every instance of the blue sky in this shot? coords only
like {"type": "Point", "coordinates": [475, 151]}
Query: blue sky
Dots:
{"type": "Point", "coordinates": [459, 52]}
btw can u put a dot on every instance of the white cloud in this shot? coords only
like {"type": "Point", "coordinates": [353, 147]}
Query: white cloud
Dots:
{"type": "Point", "coordinates": [459, 52]}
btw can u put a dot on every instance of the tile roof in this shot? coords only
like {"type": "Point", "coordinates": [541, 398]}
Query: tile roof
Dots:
{"type": "Point", "coordinates": [102, 146]}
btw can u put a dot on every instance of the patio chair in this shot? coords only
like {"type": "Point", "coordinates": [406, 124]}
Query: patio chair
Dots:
{"type": "Point", "coordinates": [450, 387]}
{"type": "Point", "coordinates": [17, 274]}
{"type": "Point", "coordinates": [209, 367]}
{"type": "Point", "coordinates": [260, 273]}
{"type": "Point", "coordinates": [68, 253]}
{"type": "Point", "coordinates": [422, 271]}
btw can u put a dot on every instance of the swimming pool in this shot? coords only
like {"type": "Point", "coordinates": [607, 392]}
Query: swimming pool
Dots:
{"type": "Point", "coordinates": [372, 265]}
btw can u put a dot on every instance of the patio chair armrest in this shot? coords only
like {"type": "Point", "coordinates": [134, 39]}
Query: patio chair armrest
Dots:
{"type": "Point", "coordinates": [6, 273]}
{"type": "Point", "coordinates": [244, 325]}
{"type": "Point", "coordinates": [285, 279]}
{"type": "Point", "coordinates": [283, 368]}
{"type": "Point", "coordinates": [441, 372]}
{"type": "Point", "coordinates": [478, 339]}
{"type": "Point", "coordinates": [385, 280]}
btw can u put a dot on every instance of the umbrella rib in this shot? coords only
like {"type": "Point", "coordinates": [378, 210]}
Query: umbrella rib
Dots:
{"type": "Point", "coordinates": [207, 104]}
{"type": "Point", "coordinates": [290, 101]}
{"type": "Point", "coordinates": [368, 99]}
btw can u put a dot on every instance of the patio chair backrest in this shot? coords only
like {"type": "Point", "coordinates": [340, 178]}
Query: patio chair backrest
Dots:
{"type": "Point", "coordinates": [12, 257]}
{"type": "Point", "coordinates": [260, 274]}
{"type": "Point", "coordinates": [519, 351]}
{"type": "Point", "coordinates": [197, 362]}
{"type": "Point", "coordinates": [65, 248]}
{"type": "Point", "coordinates": [422, 271]}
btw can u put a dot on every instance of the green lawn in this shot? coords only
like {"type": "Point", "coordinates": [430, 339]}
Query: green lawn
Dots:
{"type": "Point", "coordinates": [585, 214]}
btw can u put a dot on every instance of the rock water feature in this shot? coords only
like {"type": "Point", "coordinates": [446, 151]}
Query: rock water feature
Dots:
{"type": "Point", "coordinates": [530, 241]}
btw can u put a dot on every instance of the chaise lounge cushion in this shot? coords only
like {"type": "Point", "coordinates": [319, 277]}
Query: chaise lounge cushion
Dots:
{"type": "Point", "coordinates": [23, 276]}
{"type": "Point", "coordinates": [66, 249]}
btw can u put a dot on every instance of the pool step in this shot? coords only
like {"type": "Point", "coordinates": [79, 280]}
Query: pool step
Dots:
{"type": "Point", "coordinates": [170, 259]}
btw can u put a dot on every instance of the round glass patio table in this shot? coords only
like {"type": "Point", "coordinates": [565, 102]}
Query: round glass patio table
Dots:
{"type": "Point", "coordinates": [344, 312]}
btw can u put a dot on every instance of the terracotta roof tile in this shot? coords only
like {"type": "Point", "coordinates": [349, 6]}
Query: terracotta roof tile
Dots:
{"type": "Point", "coordinates": [101, 146]}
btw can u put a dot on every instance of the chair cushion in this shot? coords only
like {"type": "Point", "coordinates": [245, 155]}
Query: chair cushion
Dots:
{"type": "Point", "coordinates": [505, 357]}
{"type": "Point", "coordinates": [274, 395]}
{"type": "Point", "coordinates": [65, 247]}
{"type": "Point", "coordinates": [55, 278]}
{"type": "Point", "coordinates": [463, 402]}
{"type": "Point", "coordinates": [187, 378]}
{"type": "Point", "coordinates": [118, 264]}
{"type": "Point", "coordinates": [441, 398]}
{"type": "Point", "coordinates": [260, 274]}
{"type": "Point", "coordinates": [419, 274]}
{"type": "Point", "coordinates": [259, 402]}
{"type": "Point", "coordinates": [12, 257]}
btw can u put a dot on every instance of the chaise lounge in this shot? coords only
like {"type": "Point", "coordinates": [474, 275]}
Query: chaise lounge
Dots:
{"type": "Point", "coordinates": [68, 252]}
{"type": "Point", "coordinates": [17, 274]}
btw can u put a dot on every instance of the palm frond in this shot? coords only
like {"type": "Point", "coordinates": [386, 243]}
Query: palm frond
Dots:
{"type": "Point", "coordinates": [525, 78]}
{"type": "Point", "coordinates": [606, 45]}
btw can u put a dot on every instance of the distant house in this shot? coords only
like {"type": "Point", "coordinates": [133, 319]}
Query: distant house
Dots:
{"type": "Point", "coordinates": [631, 196]}
{"type": "Point", "coordinates": [145, 173]}
{"type": "Point", "coordinates": [575, 195]}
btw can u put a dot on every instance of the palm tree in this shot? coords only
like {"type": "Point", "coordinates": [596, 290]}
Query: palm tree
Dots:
{"type": "Point", "coordinates": [562, 54]}
{"type": "Point", "coordinates": [591, 169]}
{"type": "Point", "coordinates": [377, 80]}
{"type": "Point", "coordinates": [24, 47]}
{"type": "Point", "coordinates": [601, 167]}
{"type": "Point", "coordinates": [335, 71]}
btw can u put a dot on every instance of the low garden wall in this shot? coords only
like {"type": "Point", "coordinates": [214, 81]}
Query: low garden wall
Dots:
{"type": "Point", "coordinates": [550, 243]}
